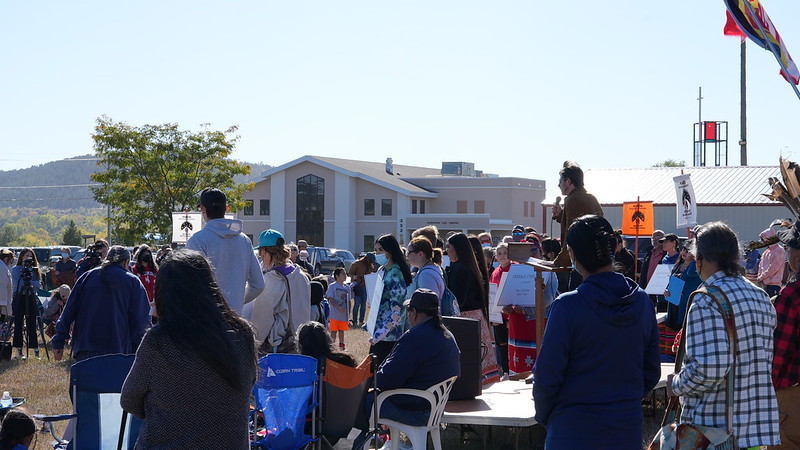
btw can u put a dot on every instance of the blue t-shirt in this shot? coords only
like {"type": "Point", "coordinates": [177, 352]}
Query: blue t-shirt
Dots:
{"type": "Point", "coordinates": [671, 260]}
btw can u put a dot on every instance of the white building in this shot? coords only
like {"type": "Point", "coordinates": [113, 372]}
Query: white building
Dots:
{"type": "Point", "coordinates": [348, 204]}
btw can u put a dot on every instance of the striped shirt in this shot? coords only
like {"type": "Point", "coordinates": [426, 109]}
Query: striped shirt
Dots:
{"type": "Point", "coordinates": [701, 383]}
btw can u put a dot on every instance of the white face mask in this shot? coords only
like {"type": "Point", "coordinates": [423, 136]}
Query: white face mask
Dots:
{"type": "Point", "coordinates": [65, 255]}
{"type": "Point", "coordinates": [381, 259]}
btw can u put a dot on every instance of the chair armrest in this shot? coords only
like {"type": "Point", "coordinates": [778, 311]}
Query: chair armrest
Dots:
{"type": "Point", "coordinates": [55, 418]}
{"type": "Point", "coordinates": [425, 395]}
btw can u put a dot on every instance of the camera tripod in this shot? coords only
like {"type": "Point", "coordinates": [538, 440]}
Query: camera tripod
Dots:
{"type": "Point", "coordinates": [30, 299]}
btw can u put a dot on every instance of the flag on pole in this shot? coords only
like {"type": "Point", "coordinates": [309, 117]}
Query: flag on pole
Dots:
{"type": "Point", "coordinates": [685, 205]}
{"type": "Point", "coordinates": [752, 21]}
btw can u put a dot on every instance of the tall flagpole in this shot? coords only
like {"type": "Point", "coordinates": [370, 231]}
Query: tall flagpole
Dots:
{"type": "Point", "coordinates": [769, 43]}
{"type": "Point", "coordinates": [743, 106]}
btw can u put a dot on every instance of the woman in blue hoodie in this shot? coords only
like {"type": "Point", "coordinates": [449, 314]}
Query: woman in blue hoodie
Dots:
{"type": "Point", "coordinates": [599, 356]}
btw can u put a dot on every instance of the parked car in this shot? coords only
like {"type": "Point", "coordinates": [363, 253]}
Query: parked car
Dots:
{"type": "Point", "coordinates": [323, 260]}
{"type": "Point", "coordinates": [347, 257]}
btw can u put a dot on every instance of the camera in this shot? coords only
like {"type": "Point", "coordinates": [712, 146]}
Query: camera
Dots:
{"type": "Point", "coordinates": [93, 251]}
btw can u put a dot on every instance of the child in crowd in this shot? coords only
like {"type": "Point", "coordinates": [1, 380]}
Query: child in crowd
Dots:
{"type": "Point", "coordinates": [339, 295]}
{"type": "Point", "coordinates": [17, 430]}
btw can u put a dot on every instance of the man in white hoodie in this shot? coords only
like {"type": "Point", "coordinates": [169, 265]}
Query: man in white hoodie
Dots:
{"type": "Point", "coordinates": [230, 251]}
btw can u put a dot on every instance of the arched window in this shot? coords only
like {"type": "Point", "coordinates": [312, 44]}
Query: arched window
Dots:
{"type": "Point", "coordinates": [311, 209]}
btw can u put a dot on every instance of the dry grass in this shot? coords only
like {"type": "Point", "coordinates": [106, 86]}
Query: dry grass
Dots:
{"type": "Point", "coordinates": [45, 386]}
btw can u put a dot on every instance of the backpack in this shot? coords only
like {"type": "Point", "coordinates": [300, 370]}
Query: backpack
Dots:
{"type": "Point", "coordinates": [448, 304]}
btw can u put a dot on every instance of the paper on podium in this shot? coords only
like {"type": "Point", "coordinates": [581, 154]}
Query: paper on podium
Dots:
{"type": "Point", "coordinates": [518, 286]}
{"type": "Point", "coordinates": [658, 283]}
{"type": "Point", "coordinates": [374, 282]}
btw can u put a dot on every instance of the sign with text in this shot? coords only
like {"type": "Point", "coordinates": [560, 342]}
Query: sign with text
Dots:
{"type": "Point", "coordinates": [517, 286]}
{"type": "Point", "coordinates": [685, 205]}
{"type": "Point", "coordinates": [184, 225]}
{"type": "Point", "coordinates": [638, 218]}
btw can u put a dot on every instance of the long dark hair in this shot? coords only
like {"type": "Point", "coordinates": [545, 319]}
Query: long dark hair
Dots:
{"type": "Point", "coordinates": [466, 256]}
{"type": "Point", "coordinates": [592, 241]}
{"type": "Point", "coordinates": [193, 312]}
{"type": "Point", "coordinates": [17, 425]}
{"type": "Point", "coordinates": [480, 258]}
{"type": "Point", "coordinates": [390, 244]}
{"type": "Point", "coordinates": [315, 341]}
{"type": "Point", "coordinates": [716, 242]}
{"type": "Point", "coordinates": [35, 260]}
{"type": "Point", "coordinates": [143, 250]}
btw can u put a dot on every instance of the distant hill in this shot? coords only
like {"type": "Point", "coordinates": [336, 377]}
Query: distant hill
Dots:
{"type": "Point", "coordinates": [33, 187]}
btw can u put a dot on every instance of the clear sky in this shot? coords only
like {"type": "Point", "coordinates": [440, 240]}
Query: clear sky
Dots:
{"type": "Point", "coordinates": [516, 87]}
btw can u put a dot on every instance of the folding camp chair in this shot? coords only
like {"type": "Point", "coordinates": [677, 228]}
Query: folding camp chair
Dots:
{"type": "Point", "coordinates": [95, 386]}
{"type": "Point", "coordinates": [343, 392]}
{"type": "Point", "coordinates": [285, 393]}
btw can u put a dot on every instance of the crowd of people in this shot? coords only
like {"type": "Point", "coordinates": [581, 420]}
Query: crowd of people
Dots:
{"type": "Point", "coordinates": [201, 316]}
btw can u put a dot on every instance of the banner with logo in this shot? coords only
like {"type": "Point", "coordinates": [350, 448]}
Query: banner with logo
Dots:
{"type": "Point", "coordinates": [184, 225]}
{"type": "Point", "coordinates": [638, 218]}
{"type": "Point", "coordinates": [686, 204]}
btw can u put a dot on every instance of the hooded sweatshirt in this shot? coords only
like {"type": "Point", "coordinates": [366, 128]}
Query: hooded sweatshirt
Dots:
{"type": "Point", "coordinates": [231, 254]}
{"type": "Point", "coordinates": [599, 358]}
{"type": "Point", "coordinates": [773, 261]}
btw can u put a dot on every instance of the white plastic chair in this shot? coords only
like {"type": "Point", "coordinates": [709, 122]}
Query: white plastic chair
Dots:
{"type": "Point", "coordinates": [437, 396]}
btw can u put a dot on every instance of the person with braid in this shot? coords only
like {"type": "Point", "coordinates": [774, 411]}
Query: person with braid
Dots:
{"type": "Point", "coordinates": [599, 356]}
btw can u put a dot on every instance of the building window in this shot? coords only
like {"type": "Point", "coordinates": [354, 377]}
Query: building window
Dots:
{"type": "Point", "coordinates": [525, 207]}
{"type": "Point", "coordinates": [533, 209]}
{"type": "Point", "coordinates": [386, 207]}
{"type": "Point", "coordinates": [461, 206]}
{"type": "Point", "coordinates": [248, 208]}
{"type": "Point", "coordinates": [369, 206]}
{"type": "Point", "coordinates": [422, 206]}
{"type": "Point", "coordinates": [369, 243]}
{"type": "Point", "coordinates": [479, 206]}
{"type": "Point", "coordinates": [263, 207]}
{"type": "Point", "coordinates": [413, 206]}
{"type": "Point", "coordinates": [311, 209]}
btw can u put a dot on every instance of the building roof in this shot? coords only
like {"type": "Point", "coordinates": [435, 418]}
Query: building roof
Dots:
{"type": "Point", "coordinates": [370, 171]}
{"type": "Point", "coordinates": [712, 185]}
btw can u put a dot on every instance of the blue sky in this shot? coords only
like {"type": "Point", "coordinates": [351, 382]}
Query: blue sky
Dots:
{"type": "Point", "coordinates": [516, 87]}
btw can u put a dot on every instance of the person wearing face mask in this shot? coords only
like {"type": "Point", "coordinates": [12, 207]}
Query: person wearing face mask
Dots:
{"type": "Point", "coordinates": [65, 269]}
{"type": "Point", "coordinates": [146, 269]}
{"type": "Point", "coordinates": [396, 277]}
{"type": "Point", "coordinates": [302, 261]}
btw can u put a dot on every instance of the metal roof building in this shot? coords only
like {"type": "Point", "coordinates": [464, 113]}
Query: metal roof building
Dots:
{"type": "Point", "coordinates": [730, 194]}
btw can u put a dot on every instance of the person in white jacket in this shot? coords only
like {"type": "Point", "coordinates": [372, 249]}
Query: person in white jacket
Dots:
{"type": "Point", "coordinates": [285, 302]}
{"type": "Point", "coordinates": [6, 286]}
{"type": "Point", "coordinates": [230, 251]}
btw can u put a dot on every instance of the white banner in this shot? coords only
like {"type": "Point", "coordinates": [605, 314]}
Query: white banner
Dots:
{"type": "Point", "coordinates": [686, 204]}
{"type": "Point", "coordinates": [184, 225]}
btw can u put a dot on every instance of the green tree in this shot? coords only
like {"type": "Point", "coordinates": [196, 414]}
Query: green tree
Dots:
{"type": "Point", "coordinates": [671, 163]}
{"type": "Point", "coordinates": [71, 236]}
{"type": "Point", "coordinates": [153, 170]}
{"type": "Point", "coordinates": [8, 234]}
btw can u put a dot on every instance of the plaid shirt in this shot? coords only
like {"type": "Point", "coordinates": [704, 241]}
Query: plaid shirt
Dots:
{"type": "Point", "coordinates": [701, 382]}
{"type": "Point", "coordinates": [786, 364]}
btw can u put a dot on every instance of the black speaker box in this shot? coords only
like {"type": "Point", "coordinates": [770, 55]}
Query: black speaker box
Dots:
{"type": "Point", "coordinates": [468, 337]}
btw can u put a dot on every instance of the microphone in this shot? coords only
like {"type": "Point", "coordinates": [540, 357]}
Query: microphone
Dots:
{"type": "Point", "coordinates": [558, 200]}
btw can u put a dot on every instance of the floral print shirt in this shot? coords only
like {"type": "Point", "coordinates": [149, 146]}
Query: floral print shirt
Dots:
{"type": "Point", "coordinates": [391, 315]}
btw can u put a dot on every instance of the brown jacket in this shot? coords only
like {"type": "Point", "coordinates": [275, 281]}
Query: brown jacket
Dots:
{"type": "Point", "coordinates": [578, 203]}
{"type": "Point", "coordinates": [358, 269]}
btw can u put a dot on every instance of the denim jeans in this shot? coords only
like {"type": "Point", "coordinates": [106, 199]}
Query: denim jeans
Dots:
{"type": "Point", "coordinates": [359, 304]}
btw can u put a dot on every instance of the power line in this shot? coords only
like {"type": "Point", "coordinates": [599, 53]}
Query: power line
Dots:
{"type": "Point", "coordinates": [59, 186]}
{"type": "Point", "coordinates": [43, 199]}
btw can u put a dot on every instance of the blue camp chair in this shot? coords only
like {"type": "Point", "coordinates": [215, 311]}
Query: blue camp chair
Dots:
{"type": "Point", "coordinates": [95, 386]}
{"type": "Point", "coordinates": [285, 393]}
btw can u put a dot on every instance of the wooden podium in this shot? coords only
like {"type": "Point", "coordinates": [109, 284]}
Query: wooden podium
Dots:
{"type": "Point", "coordinates": [520, 252]}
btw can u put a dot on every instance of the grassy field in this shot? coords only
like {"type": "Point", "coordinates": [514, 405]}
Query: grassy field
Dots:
{"type": "Point", "coordinates": [45, 384]}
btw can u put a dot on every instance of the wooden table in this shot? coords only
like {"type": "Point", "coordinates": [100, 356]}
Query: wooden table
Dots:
{"type": "Point", "coordinates": [502, 404]}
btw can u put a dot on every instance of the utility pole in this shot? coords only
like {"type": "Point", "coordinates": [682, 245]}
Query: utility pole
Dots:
{"type": "Point", "coordinates": [700, 158]}
{"type": "Point", "coordinates": [743, 106]}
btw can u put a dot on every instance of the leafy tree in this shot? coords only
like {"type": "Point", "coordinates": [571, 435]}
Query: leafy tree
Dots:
{"type": "Point", "coordinates": [671, 163]}
{"type": "Point", "coordinates": [71, 236]}
{"type": "Point", "coordinates": [153, 170]}
{"type": "Point", "coordinates": [8, 234]}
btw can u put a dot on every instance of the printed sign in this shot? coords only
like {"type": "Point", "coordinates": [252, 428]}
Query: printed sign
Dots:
{"type": "Point", "coordinates": [374, 282]}
{"type": "Point", "coordinates": [184, 225]}
{"type": "Point", "coordinates": [638, 218]}
{"type": "Point", "coordinates": [659, 281]}
{"type": "Point", "coordinates": [685, 206]}
{"type": "Point", "coordinates": [517, 286]}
